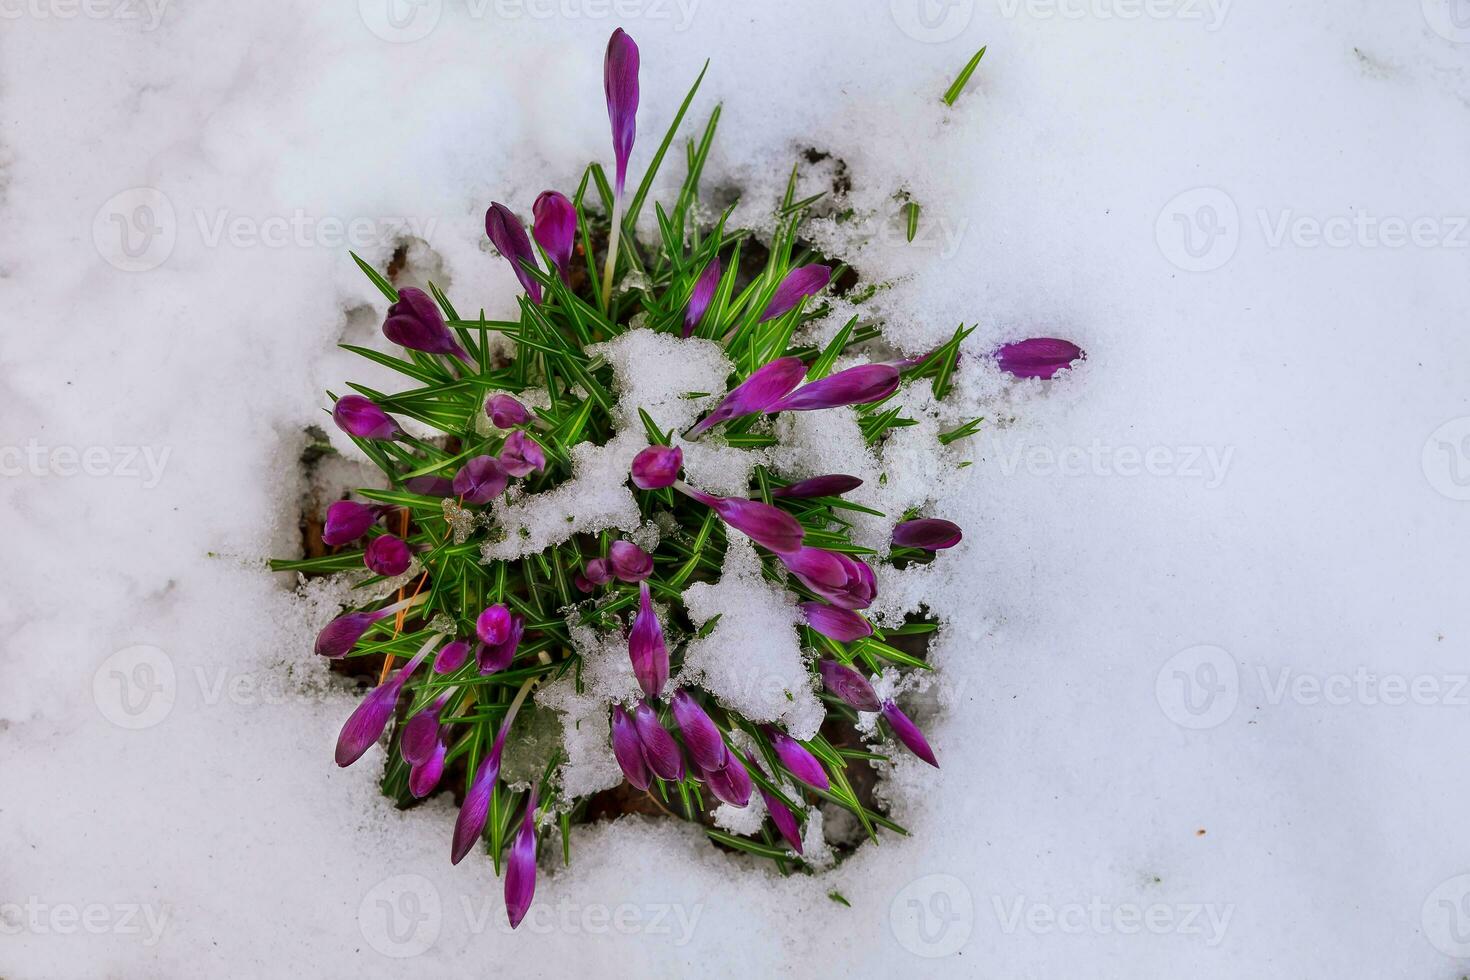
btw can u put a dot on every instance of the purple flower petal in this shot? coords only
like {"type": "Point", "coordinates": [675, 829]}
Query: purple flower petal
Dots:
{"type": "Point", "coordinates": [795, 757]}
{"type": "Point", "coordinates": [908, 733]}
{"type": "Point", "coordinates": [555, 229]}
{"type": "Point", "coordinates": [842, 580]}
{"type": "Point", "coordinates": [819, 486]}
{"type": "Point", "coordinates": [430, 486]}
{"type": "Point", "coordinates": [423, 777]}
{"type": "Point", "coordinates": [856, 386]}
{"type": "Point", "coordinates": [765, 524]}
{"type": "Point", "coordinates": [421, 733]}
{"type": "Point", "coordinates": [808, 280]}
{"type": "Point", "coordinates": [657, 467]}
{"type": "Point", "coordinates": [365, 725]}
{"type": "Point", "coordinates": [339, 636]}
{"type": "Point", "coordinates": [1039, 357]}
{"type": "Point", "coordinates": [765, 386]}
{"type": "Point", "coordinates": [630, 563]}
{"type": "Point", "coordinates": [732, 783]}
{"type": "Point", "coordinates": [628, 748]}
{"type": "Point", "coordinates": [521, 455]}
{"type": "Point", "coordinates": [471, 821]}
{"type": "Point", "coordinates": [928, 533]}
{"type": "Point", "coordinates": [481, 480]}
{"type": "Point", "coordinates": [347, 521]}
{"type": "Point", "coordinates": [599, 572]}
{"type": "Point", "coordinates": [506, 412]}
{"type": "Point", "coordinates": [646, 648]}
{"type": "Point", "coordinates": [520, 866]}
{"type": "Point", "coordinates": [387, 555]}
{"type": "Point", "coordinates": [849, 685]}
{"type": "Point", "coordinates": [451, 657]}
{"type": "Point", "coordinates": [620, 85]}
{"type": "Point", "coordinates": [495, 657]}
{"type": "Point", "coordinates": [842, 625]}
{"type": "Point", "coordinates": [494, 624]}
{"type": "Point", "coordinates": [660, 750]}
{"type": "Point", "coordinates": [360, 417]}
{"type": "Point", "coordinates": [414, 322]}
{"type": "Point", "coordinates": [510, 239]}
{"type": "Point", "coordinates": [699, 298]}
{"type": "Point", "coordinates": [784, 820]}
{"type": "Point", "coordinates": [701, 737]}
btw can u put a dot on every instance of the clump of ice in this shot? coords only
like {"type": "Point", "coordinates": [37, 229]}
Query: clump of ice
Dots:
{"type": "Point", "coordinates": [658, 372]}
{"type": "Point", "coordinates": [590, 765]}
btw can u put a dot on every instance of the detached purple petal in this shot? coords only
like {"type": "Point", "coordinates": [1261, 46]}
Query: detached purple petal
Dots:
{"type": "Point", "coordinates": [471, 821]}
{"type": "Point", "coordinates": [1039, 357]}
{"type": "Point", "coordinates": [657, 467]}
{"type": "Point", "coordinates": [701, 737]}
{"type": "Point", "coordinates": [521, 455]}
{"type": "Point", "coordinates": [794, 756]}
{"type": "Point", "coordinates": [704, 291]}
{"type": "Point", "coordinates": [808, 280]}
{"type": "Point", "coordinates": [555, 229]}
{"type": "Point", "coordinates": [842, 625]}
{"type": "Point", "coordinates": [387, 555]}
{"type": "Point", "coordinates": [628, 748]}
{"type": "Point", "coordinates": [784, 820]}
{"type": "Point", "coordinates": [339, 636]}
{"type": "Point", "coordinates": [510, 239]}
{"type": "Point", "coordinates": [659, 748]}
{"type": "Point", "coordinates": [506, 412]}
{"type": "Point", "coordinates": [819, 486]}
{"type": "Point", "coordinates": [908, 733]}
{"type": "Point", "coordinates": [630, 563]}
{"type": "Point", "coordinates": [620, 85]}
{"type": "Point", "coordinates": [347, 521]}
{"type": "Point", "coordinates": [765, 386]}
{"type": "Point", "coordinates": [928, 533]}
{"type": "Point", "coordinates": [731, 784]}
{"type": "Point", "coordinates": [360, 417]}
{"type": "Point", "coordinates": [520, 866]}
{"type": "Point", "coordinates": [766, 525]}
{"type": "Point", "coordinates": [646, 648]}
{"type": "Point", "coordinates": [423, 777]}
{"type": "Point", "coordinates": [414, 322]}
{"type": "Point", "coordinates": [849, 685]}
{"type": "Point", "coordinates": [856, 386]}
{"type": "Point", "coordinates": [481, 480]}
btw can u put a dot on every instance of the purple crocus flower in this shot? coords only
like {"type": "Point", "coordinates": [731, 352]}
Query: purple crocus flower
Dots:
{"type": "Point", "coordinates": [859, 385]}
{"type": "Point", "coordinates": [347, 521]}
{"type": "Point", "coordinates": [646, 647]}
{"type": "Point", "coordinates": [628, 748]}
{"type": "Point", "coordinates": [842, 625]}
{"type": "Point", "coordinates": [521, 455]}
{"type": "Point", "coordinates": [510, 239]}
{"type": "Point", "coordinates": [471, 821]}
{"type": "Point", "coordinates": [424, 776]}
{"type": "Point", "coordinates": [1039, 357]}
{"type": "Point", "coordinates": [421, 732]}
{"type": "Point", "coordinates": [807, 280]}
{"type": "Point", "coordinates": [766, 525]}
{"type": "Point", "coordinates": [701, 737]}
{"type": "Point", "coordinates": [928, 533]}
{"type": "Point", "coordinates": [339, 636]}
{"type": "Point", "coordinates": [520, 866]}
{"type": "Point", "coordinates": [365, 725]}
{"type": "Point", "coordinates": [699, 298]}
{"type": "Point", "coordinates": [730, 784]}
{"type": "Point", "coordinates": [620, 85]}
{"type": "Point", "coordinates": [598, 572]}
{"type": "Point", "coordinates": [657, 467]}
{"type": "Point", "coordinates": [387, 555]}
{"type": "Point", "coordinates": [908, 733]}
{"type": "Point", "coordinates": [414, 322]}
{"type": "Point", "coordinates": [819, 486]}
{"type": "Point", "coordinates": [842, 580]}
{"type": "Point", "coordinates": [629, 562]}
{"type": "Point", "coordinates": [481, 480]}
{"type": "Point", "coordinates": [784, 820]}
{"type": "Point", "coordinates": [849, 685]}
{"type": "Point", "coordinates": [555, 229]}
{"type": "Point", "coordinates": [451, 657]}
{"type": "Point", "coordinates": [430, 486]}
{"type": "Point", "coordinates": [506, 412]}
{"type": "Point", "coordinates": [659, 748]}
{"type": "Point", "coordinates": [360, 417]}
{"type": "Point", "coordinates": [795, 757]}
{"type": "Point", "coordinates": [500, 634]}
{"type": "Point", "coordinates": [766, 385]}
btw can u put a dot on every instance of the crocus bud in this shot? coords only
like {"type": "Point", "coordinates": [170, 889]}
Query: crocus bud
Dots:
{"type": "Point", "coordinates": [481, 480]}
{"type": "Point", "coordinates": [657, 467]}
{"type": "Point", "coordinates": [620, 85]}
{"type": "Point", "coordinates": [1039, 357]}
{"type": "Point", "coordinates": [365, 726]}
{"type": "Point", "coordinates": [339, 636]}
{"type": "Point", "coordinates": [471, 821]}
{"type": "Point", "coordinates": [520, 866]}
{"type": "Point", "coordinates": [908, 733]}
{"type": "Point", "coordinates": [387, 555]}
{"type": "Point", "coordinates": [784, 820]}
{"type": "Point", "coordinates": [856, 386]}
{"type": "Point", "coordinates": [849, 685]}
{"type": "Point", "coordinates": [628, 748]}
{"type": "Point", "coordinates": [414, 322]}
{"type": "Point", "coordinates": [599, 572]}
{"type": "Point", "coordinates": [646, 648]}
{"type": "Point", "coordinates": [510, 239]}
{"type": "Point", "coordinates": [928, 533]}
{"type": "Point", "coordinates": [794, 756]}
{"type": "Point", "coordinates": [555, 229]}
{"type": "Point", "coordinates": [347, 521]}
{"type": "Point", "coordinates": [500, 633]}
{"type": "Point", "coordinates": [844, 581]}
{"type": "Point", "coordinates": [818, 486]}
{"type": "Point", "coordinates": [699, 298]}
{"type": "Point", "coordinates": [424, 776]}
{"type": "Point", "coordinates": [842, 625]}
{"type": "Point", "coordinates": [768, 526]}
{"type": "Point", "coordinates": [451, 657]}
{"type": "Point", "coordinates": [732, 783]}
{"type": "Point", "coordinates": [421, 732]}
{"type": "Point", "coordinates": [506, 412]}
{"type": "Point", "coordinates": [494, 624]}
{"type": "Point", "coordinates": [701, 737]}
{"type": "Point", "coordinates": [629, 562]}
{"type": "Point", "coordinates": [360, 417]}
{"type": "Point", "coordinates": [521, 454]}
{"type": "Point", "coordinates": [766, 385]}
{"type": "Point", "coordinates": [659, 748]}
{"type": "Point", "coordinates": [808, 280]}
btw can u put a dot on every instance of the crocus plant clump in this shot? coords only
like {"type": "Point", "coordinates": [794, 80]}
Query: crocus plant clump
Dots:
{"type": "Point", "coordinates": [464, 641]}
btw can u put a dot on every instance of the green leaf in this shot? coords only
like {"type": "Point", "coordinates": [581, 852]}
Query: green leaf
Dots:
{"type": "Point", "coordinates": [963, 79]}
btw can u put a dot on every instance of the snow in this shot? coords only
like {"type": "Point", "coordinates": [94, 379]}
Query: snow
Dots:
{"type": "Point", "coordinates": [1194, 718]}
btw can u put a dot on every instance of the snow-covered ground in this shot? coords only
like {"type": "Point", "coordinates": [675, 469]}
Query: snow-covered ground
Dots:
{"type": "Point", "coordinates": [1205, 679]}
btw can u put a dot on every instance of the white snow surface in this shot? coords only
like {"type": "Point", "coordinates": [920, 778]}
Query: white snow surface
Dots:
{"type": "Point", "coordinates": [1201, 699]}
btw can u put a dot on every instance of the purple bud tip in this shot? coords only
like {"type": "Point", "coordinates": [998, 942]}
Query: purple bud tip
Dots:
{"type": "Point", "coordinates": [766, 525]}
{"type": "Point", "coordinates": [366, 724]}
{"type": "Point", "coordinates": [387, 555]}
{"type": "Point", "coordinates": [629, 562]}
{"type": "Point", "coordinates": [494, 624]}
{"type": "Point", "coordinates": [800, 283]}
{"type": "Point", "coordinates": [339, 636]}
{"type": "Point", "coordinates": [599, 572]}
{"type": "Point", "coordinates": [1039, 357]}
{"type": "Point", "coordinates": [628, 748]}
{"type": "Point", "coordinates": [620, 85]}
{"type": "Point", "coordinates": [766, 385]}
{"type": "Point", "coordinates": [451, 657]}
{"type": "Point", "coordinates": [491, 655]}
{"type": "Point", "coordinates": [657, 467]}
{"type": "Point", "coordinates": [423, 777]}
{"type": "Point", "coordinates": [481, 480]}
{"type": "Point", "coordinates": [555, 229]}
{"type": "Point", "coordinates": [414, 322]}
{"type": "Point", "coordinates": [360, 417]}
{"type": "Point", "coordinates": [659, 748]}
{"type": "Point", "coordinates": [520, 866]}
{"type": "Point", "coordinates": [521, 455]}
{"type": "Point", "coordinates": [908, 733]}
{"type": "Point", "coordinates": [701, 736]}
{"type": "Point", "coordinates": [842, 625]}
{"type": "Point", "coordinates": [784, 820]}
{"type": "Point", "coordinates": [732, 783]}
{"type": "Point", "coordinates": [819, 486]}
{"type": "Point", "coordinates": [842, 580]}
{"type": "Point", "coordinates": [928, 533]}
{"type": "Point", "coordinates": [347, 521]}
{"type": "Point", "coordinates": [506, 412]}
{"type": "Point", "coordinates": [646, 648]}
{"type": "Point", "coordinates": [795, 757]}
{"type": "Point", "coordinates": [420, 733]}
{"type": "Point", "coordinates": [509, 237]}
{"type": "Point", "coordinates": [471, 821]}
{"type": "Point", "coordinates": [849, 685]}
{"type": "Point", "coordinates": [859, 385]}
{"type": "Point", "coordinates": [699, 298]}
